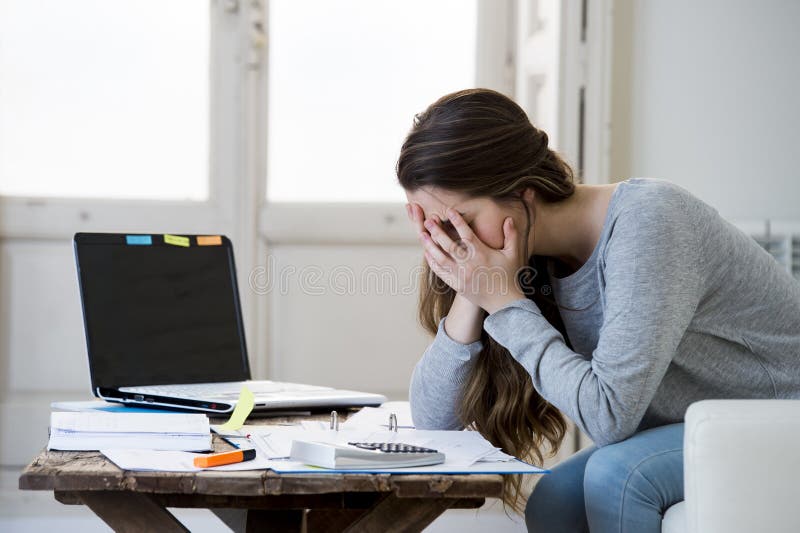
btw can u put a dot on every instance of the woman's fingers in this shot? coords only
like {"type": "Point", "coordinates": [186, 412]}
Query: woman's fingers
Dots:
{"type": "Point", "coordinates": [460, 224]}
{"type": "Point", "coordinates": [433, 249]}
{"type": "Point", "coordinates": [444, 274]}
{"type": "Point", "coordinates": [429, 246]}
{"type": "Point", "coordinates": [435, 240]}
{"type": "Point", "coordinates": [417, 217]}
{"type": "Point", "coordinates": [441, 237]}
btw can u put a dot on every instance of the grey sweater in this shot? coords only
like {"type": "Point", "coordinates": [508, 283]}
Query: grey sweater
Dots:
{"type": "Point", "coordinates": [674, 305]}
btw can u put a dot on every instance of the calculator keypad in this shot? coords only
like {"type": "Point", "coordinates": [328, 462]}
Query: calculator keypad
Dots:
{"type": "Point", "coordinates": [392, 447]}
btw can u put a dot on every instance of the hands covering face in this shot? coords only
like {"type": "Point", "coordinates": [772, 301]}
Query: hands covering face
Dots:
{"type": "Point", "coordinates": [485, 276]}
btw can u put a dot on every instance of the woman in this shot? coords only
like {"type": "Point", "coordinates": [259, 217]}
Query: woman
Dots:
{"type": "Point", "coordinates": [617, 305]}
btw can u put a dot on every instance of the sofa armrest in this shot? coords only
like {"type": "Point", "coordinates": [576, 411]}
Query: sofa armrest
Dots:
{"type": "Point", "coordinates": [742, 466]}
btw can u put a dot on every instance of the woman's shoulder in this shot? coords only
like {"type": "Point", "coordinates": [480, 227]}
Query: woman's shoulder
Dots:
{"type": "Point", "coordinates": [659, 201]}
{"type": "Point", "coordinates": [654, 215]}
{"type": "Point", "coordinates": [653, 191]}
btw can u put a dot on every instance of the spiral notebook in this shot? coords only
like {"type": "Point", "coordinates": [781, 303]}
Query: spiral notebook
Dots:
{"type": "Point", "coordinates": [81, 431]}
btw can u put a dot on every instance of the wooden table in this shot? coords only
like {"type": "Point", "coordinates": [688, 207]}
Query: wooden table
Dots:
{"type": "Point", "coordinates": [255, 500]}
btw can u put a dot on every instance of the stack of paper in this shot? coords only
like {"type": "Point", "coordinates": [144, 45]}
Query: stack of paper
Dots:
{"type": "Point", "coordinates": [465, 451]}
{"type": "Point", "coordinates": [461, 448]}
{"type": "Point", "coordinates": [99, 430]}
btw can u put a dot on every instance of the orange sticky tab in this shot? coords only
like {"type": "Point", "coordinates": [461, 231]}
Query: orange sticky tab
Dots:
{"type": "Point", "coordinates": [219, 459]}
{"type": "Point", "coordinates": [209, 240]}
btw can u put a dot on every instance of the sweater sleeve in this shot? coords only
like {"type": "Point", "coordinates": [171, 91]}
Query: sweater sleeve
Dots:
{"type": "Point", "coordinates": [652, 289]}
{"type": "Point", "coordinates": [436, 382]}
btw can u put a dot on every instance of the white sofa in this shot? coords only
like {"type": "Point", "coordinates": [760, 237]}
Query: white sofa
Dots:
{"type": "Point", "coordinates": [741, 468]}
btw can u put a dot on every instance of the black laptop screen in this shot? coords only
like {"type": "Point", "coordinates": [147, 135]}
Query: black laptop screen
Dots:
{"type": "Point", "coordinates": [159, 313]}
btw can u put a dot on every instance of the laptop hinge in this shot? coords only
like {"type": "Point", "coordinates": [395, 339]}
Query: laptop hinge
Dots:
{"type": "Point", "coordinates": [108, 398]}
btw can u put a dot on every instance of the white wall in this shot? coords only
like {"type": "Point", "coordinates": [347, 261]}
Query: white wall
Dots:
{"type": "Point", "coordinates": [356, 327]}
{"type": "Point", "coordinates": [707, 95]}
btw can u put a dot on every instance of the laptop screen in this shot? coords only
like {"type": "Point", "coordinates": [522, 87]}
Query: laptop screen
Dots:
{"type": "Point", "coordinates": [158, 313]}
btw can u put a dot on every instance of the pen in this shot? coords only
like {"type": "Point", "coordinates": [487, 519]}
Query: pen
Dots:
{"type": "Point", "coordinates": [231, 439]}
{"type": "Point", "coordinates": [224, 458]}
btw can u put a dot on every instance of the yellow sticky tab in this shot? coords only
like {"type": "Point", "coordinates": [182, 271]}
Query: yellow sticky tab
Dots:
{"type": "Point", "coordinates": [176, 240]}
{"type": "Point", "coordinates": [209, 240]}
{"type": "Point", "coordinates": [243, 409]}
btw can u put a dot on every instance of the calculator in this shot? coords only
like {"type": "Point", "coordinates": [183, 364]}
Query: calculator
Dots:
{"type": "Point", "coordinates": [392, 447]}
{"type": "Point", "coordinates": [376, 456]}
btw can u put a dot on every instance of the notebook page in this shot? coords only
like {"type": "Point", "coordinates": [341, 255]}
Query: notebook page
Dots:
{"type": "Point", "coordinates": [167, 423]}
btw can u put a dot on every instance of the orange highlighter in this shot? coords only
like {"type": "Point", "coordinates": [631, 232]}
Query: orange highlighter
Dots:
{"type": "Point", "coordinates": [224, 458]}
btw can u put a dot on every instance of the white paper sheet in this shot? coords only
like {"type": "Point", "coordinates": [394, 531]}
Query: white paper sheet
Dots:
{"type": "Point", "coordinates": [496, 467]}
{"type": "Point", "coordinates": [465, 451]}
{"type": "Point", "coordinates": [462, 449]}
{"type": "Point", "coordinates": [378, 417]}
{"type": "Point", "coordinates": [173, 461]}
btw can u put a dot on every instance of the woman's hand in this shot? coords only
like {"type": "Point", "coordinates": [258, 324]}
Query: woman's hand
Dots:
{"type": "Point", "coordinates": [485, 276]}
{"type": "Point", "coordinates": [464, 322]}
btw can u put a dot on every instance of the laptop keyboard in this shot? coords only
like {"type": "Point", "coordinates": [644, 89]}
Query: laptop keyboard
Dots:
{"type": "Point", "coordinates": [228, 390]}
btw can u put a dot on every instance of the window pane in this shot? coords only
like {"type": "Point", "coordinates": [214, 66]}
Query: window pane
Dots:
{"type": "Point", "coordinates": [104, 98]}
{"type": "Point", "coordinates": [346, 79]}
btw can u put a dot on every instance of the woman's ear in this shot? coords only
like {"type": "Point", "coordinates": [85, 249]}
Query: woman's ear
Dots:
{"type": "Point", "coordinates": [527, 195]}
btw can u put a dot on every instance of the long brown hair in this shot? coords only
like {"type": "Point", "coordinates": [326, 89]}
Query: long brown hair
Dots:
{"type": "Point", "coordinates": [480, 143]}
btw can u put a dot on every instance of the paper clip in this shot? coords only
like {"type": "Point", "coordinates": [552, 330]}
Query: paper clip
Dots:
{"type": "Point", "coordinates": [334, 421]}
{"type": "Point", "coordinates": [393, 422]}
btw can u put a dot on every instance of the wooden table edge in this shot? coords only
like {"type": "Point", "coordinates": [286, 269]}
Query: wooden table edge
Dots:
{"type": "Point", "coordinates": [92, 472]}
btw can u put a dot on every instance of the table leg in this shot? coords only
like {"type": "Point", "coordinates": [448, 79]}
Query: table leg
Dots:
{"type": "Point", "coordinates": [252, 520]}
{"type": "Point", "coordinates": [127, 511]}
{"type": "Point", "coordinates": [331, 520]}
{"type": "Point", "coordinates": [393, 514]}
{"type": "Point", "coordinates": [388, 514]}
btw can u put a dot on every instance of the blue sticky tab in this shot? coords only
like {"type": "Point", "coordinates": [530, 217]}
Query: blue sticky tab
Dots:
{"type": "Point", "coordinates": [139, 239]}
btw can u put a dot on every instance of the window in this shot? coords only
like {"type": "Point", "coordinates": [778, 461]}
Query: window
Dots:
{"type": "Point", "coordinates": [345, 81]}
{"type": "Point", "coordinates": [104, 99]}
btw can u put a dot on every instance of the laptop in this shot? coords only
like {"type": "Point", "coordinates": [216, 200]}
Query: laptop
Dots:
{"type": "Point", "coordinates": [164, 327]}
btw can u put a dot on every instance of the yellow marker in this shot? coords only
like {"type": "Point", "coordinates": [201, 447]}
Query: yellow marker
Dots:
{"type": "Point", "coordinates": [176, 240]}
{"type": "Point", "coordinates": [243, 409]}
{"type": "Point", "coordinates": [209, 240]}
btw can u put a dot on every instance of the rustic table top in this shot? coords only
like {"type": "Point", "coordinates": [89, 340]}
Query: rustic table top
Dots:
{"type": "Point", "coordinates": [256, 500]}
{"type": "Point", "coordinates": [62, 471]}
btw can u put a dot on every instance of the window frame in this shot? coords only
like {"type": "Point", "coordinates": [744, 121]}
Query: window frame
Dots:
{"type": "Point", "coordinates": [236, 46]}
{"type": "Point", "coordinates": [382, 222]}
{"type": "Point", "coordinates": [56, 218]}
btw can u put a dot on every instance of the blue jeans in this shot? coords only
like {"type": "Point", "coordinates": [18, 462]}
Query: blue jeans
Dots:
{"type": "Point", "coordinates": [620, 488]}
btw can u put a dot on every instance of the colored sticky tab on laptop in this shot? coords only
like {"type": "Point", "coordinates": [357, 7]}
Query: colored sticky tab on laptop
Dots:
{"type": "Point", "coordinates": [209, 240]}
{"type": "Point", "coordinates": [139, 240]}
{"type": "Point", "coordinates": [242, 410]}
{"type": "Point", "coordinates": [176, 240]}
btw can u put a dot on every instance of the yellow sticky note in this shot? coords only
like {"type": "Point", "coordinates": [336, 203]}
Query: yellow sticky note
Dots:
{"type": "Point", "coordinates": [176, 240]}
{"type": "Point", "coordinates": [242, 410]}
